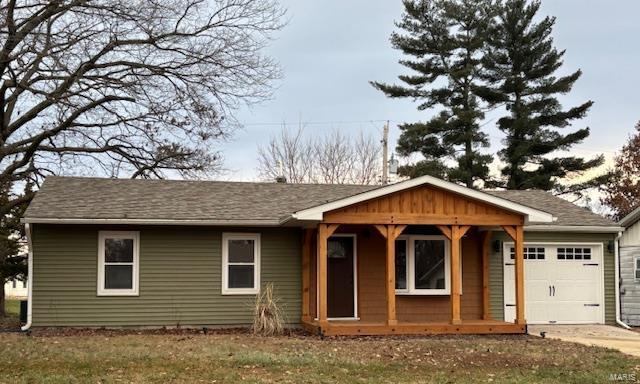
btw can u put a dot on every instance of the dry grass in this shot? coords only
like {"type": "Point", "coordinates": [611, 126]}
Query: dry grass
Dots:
{"type": "Point", "coordinates": [109, 357]}
{"type": "Point", "coordinates": [268, 317]}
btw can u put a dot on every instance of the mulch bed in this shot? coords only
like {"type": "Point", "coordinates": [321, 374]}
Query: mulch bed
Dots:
{"type": "Point", "coordinates": [9, 324]}
{"type": "Point", "coordinates": [109, 332]}
{"type": "Point", "coordinates": [290, 333]}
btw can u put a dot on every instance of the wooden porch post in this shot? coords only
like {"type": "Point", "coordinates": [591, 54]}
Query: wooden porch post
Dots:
{"type": "Point", "coordinates": [517, 234]}
{"type": "Point", "coordinates": [390, 272]}
{"type": "Point", "coordinates": [391, 232]}
{"type": "Point", "coordinates": [324, 232]}
{"type": "Point", "coordinates": [322, 274]}
{"type": "Point", "coordinates": [486, 249]}
{"type": "Point", "coordinates": [519, 267]}
{"type": "Point", "coordinates": [307, 237]}
{"type": "Point", "coordinates": [455, 275]}
{"type": "Point", "coordinates": [457, 231]}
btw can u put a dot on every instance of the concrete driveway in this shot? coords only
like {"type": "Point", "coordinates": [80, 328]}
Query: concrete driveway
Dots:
{"type": "Point", "coordinates": [601, 335]}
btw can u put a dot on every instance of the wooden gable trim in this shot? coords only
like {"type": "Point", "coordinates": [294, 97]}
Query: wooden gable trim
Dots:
{"type": "Point", "coordinates": [529, 214]}
{"type": "Point", "coordinates": [423, 205]}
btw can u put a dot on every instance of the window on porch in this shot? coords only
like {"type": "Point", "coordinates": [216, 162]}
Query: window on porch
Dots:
{"type": "Point", "coordinates": [422, 265]}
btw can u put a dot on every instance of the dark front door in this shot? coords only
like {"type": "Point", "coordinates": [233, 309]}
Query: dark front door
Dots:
{"type": "Point", "coordinates": [340, 277]}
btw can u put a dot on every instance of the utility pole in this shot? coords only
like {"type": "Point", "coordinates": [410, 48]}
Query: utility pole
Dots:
{"type": "Point", "coordinates": [385, 154]}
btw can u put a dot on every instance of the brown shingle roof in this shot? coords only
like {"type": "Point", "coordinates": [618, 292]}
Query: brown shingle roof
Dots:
{"type": "Point", "coordinates": [237, 202]}
{"type": "Point", "coordinates": [566, 212]}
{"type": "Point", "coordinates": [95, 198]}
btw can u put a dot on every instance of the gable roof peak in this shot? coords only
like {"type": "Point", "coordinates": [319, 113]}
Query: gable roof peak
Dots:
{"type": "Point", "coordinates": [531, 214]}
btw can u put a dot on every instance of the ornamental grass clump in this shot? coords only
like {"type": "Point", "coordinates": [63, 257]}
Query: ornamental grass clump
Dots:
{"type": "Point", "coordinates": [268, 318]}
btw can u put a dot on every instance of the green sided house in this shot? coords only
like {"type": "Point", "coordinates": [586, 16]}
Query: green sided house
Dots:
{"type": "Point", "coordinates": [422, 256]}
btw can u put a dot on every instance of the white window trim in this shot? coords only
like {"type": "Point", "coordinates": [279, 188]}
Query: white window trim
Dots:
{"type": "Point", "coordinates": [411, 290]}
{"type": "Point", "coordinates": [256, 263]}
{"type": "Point", "coordinates": [635, 269]}
{"type": "Point", "coordinates": [102, 236]}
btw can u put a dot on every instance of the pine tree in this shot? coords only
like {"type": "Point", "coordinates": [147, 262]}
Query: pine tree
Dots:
{"type": "Point", "coordinates": [520, 69]}
{"type": "Point", "coordinates": [446, 40]}
{"type": "Point", "coordinates": [13, 260]}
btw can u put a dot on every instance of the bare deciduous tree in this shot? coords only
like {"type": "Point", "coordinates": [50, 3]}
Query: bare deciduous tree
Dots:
{"type": "Point", "coordinates": [334, 157]}
{"type": "Point", "coordinates": [287, 154]}
{"type": "Point", "coordinates": [621, 194]}
{"type": "Point", "coordinates": [368, 166]}
{"type": "Point", "coordinates": [133, 87]}
{"type": "Point", "coordinates": [142, 88]}
{"type": "Point", "coordinates": [331, 159]}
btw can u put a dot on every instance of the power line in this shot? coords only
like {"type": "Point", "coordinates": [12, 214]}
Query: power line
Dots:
{"type": "Point", "coordinates": [330, 122]}
{"type": "Point", "coordinates": [335, 122]}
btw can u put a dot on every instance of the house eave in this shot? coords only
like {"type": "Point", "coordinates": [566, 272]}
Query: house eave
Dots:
{"type": "Point", "coordinates": [631, 218]}
{"type": "Point", "coordinates": [124, 221]}
{"type": "Point", "coordinates": [573, 228]}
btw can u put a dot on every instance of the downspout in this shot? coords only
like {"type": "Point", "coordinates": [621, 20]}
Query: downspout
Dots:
{"type": "Point", "coordinates": [617, 280]}
{"type": "Point", "coordinates": [29, 278]}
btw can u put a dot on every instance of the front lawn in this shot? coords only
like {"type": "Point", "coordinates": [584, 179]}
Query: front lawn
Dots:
{"type": "Point", "coordinates": [12, 307]}
{"type": "Point", "coordinates": [108, 357]}
{"type": "Point", "coordinates": [11, 322]}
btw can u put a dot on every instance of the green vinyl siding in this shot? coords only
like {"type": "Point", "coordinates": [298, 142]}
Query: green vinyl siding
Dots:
{"type": "Point", "coordinates": [180, 276]}
{"type": "Point", "coordinates": [179, 281]}
{"type": "Point", "coordinates": [496, 285]}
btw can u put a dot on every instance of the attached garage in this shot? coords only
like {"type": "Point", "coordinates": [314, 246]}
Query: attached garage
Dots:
{"type": "Point", "coordinates": [564, 283]}
{"type": "Point", "coordinates": [569, 265]}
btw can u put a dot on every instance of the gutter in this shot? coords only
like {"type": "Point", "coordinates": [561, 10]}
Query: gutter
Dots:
{"type": "Point", "coordinates": [617, 281]}
{"type": "Point", "coordinates": [230, 223]}
{"type": "Point", "coordinates": [287, 220]}
{"type": "Point", "coordinates": [29, 279]}
{"type": "Point", "coordinates": [573, 228]}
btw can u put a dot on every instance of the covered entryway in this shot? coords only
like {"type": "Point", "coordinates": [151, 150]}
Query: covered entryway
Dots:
{"type": "Point", "coordinates": [563, 283]}
{"type": "Point", "coordinates": [420, 244]}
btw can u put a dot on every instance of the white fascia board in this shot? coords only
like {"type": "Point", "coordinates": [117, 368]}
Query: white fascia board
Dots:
{"type": "Point", "coordinates": [631, 218]}
{"type": "Point", "coordinates": [532, 215]}
{"type": "Point", "coordinates": [230, 223]}
{"type": "Point", "coordinates": [573, 228]}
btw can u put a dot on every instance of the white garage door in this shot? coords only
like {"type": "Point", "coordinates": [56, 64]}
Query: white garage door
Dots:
{"type": "Point", "coordinates": [563, 283]}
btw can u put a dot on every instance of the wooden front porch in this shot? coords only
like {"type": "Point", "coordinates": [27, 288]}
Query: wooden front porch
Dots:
{"type": "Point", "coordinates": [354, 328]}
{"type": "Point", "coordinates": [377, 224]}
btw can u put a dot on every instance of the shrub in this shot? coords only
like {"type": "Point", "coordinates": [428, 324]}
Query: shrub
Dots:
{"type": "Point", "coordinates": [268, 317]}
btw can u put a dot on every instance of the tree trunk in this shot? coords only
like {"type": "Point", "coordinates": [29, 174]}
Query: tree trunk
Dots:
{"type": "Point", "coordinates": [468, 147]}
{"type": "Point", "coordinates": [2, 299]}
{"type": "Point", "coordinates": [514, 181]}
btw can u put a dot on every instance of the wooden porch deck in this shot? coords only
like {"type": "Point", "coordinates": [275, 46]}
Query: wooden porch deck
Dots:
{"type": "Point", "coordinates": [351, 328]}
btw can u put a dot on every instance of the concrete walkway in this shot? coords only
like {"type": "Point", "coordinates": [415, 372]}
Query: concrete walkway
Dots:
{"type": "Point", "coordinates": [601, 335]}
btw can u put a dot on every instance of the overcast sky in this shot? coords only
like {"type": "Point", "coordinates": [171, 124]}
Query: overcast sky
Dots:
{"type": "Point", "coordinates": [331, 49]}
